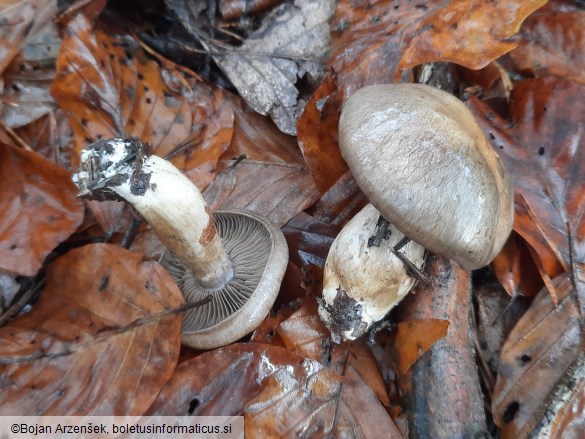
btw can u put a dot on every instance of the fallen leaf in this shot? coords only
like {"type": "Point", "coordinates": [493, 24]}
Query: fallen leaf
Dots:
{"type": "Point", "coordinates": [543, 147]}
{"type": "Point", "coordinates": [21, 20]}
{"type": "Point", "coordinates": [263, 170]}
{"type": "Point", "coordinates": [497, 313]}
{"type": "Point", "coordinates": [304, 333]}
{"type": "Point", "coordinates": [340, 203]}
{"type": "Point", "coordinates": [537, 353]}
{"type": "Point", "coordinates": [28, 78]}
{"type": "Point", "coordinates": [515, 269]}
{"type": "Point", "coordinates": [564, 416]}
{"type": "Point", "coordinates": [308, 240]}
{"type": "Point", "coordinates": [231, 9]}
{"type": "Point", "coordinates": [39, 209]}
{"type": "Point", "coordinates": [552, 41]}
{"type": "Point", "coordinates": [291, 43]}
{"type": "Point", "coordinates": [77, 353]}
{"type": "Point", "coordinates": [198, 386]}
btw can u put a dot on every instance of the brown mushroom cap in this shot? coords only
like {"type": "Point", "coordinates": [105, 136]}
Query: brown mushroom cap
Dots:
{"type": "Point", "coordinates": [424, 163]}
{"type": "Point", "coordinates": [258, 253]}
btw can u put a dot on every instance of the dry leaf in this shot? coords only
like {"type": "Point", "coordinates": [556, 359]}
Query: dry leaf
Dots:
{"type": "Point", "coordinates": [70, 354]}
{"type": "Point", "coordinates": [39, 209]}
{"type": "Point", "coordinates": [266, 67]}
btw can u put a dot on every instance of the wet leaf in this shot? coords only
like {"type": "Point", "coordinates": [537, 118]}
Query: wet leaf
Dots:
{"type": "Point", "coordinates": [304, 333]}
{"type": "Point", "coordinates": [543, 147]}
{"type": "Point", "coordinates": [308, 240]}
{"type": "Point", "coordinates": [28, 78]}
{"type": "Point", "coordinates": [198, 386]}
{"type": "Point", "coordinates": [552, 41]}
{"type": "Point", "coordinates": [263, 170]}
{"type": "Point", "coordinates": [375, 41]}
{"type": "Point", "coordinates": [21, 20]}
{"type": "Point", "coordinates": [497, 314]}
{"type": "Point", "coordinates": [278, 392]}
{"type": "Point", "coordinates": [413, 338]}
{"type": "Point", "coordinates": [564, 416]}
{"type": "Point", "coordinates": [76, 352]}
{"type": "Point", "coordinates": [39, 209]}
{"type": "Point", "coordinates": [341, 202]}
{"type": "Point", "coordinates": [266, 67]}
{"type": "Point", "coordinates": [109, 89]}
{"type": "Point", "coordinates": [536, 355]}
{"type": "Point", "coordinates": [515, 269]}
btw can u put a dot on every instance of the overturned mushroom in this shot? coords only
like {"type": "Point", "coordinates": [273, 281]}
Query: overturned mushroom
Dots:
{"type": "Point", "coordinates": [239, 259]}
{"type": "Point", "coordinates": [364, 276]}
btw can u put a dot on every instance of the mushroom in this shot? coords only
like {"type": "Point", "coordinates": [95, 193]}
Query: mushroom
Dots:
{"type": "Point", "coordinates": [236, 257]}
{"type": "Point", "coordinates": [425, 165]}
{"type": "Point", "coordinates": [422, 160]}
{"type": "Point", "coordinates": [364, 276]}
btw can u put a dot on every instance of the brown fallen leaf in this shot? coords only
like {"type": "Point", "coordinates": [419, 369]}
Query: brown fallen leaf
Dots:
{"type": "Point", "coordinates": [280, 394]}
{"type": "Point", "coordinates": [374, 42]}
{"type": "Point", "coordinates": [304, 333]}
{"type": "Point", "coordinates": [340, 203]}
{"type": "Point", "coordinates": [551, 42]}
{"type": "Point", "coordinates": [563, 418]}
{"type": "Point", "coordinates": [263, 170]}
{"type": "Point", "coordinates": [39, 209]}
{"type": "Point", "coordinates": [308, 240]}
{"type": "Point", "coordinates": [28, 78]}
{"type": "Point", "coordinates": [441, 392]}
{"type": "Point", "coordinates": [497, 314]}
{"type": "Point", "coordinates": [515, 269]}
{"type": "Point", "coordinates": [542, 346]}
{"type": "Point", "coordinates": [544, 149]}
{"type": "Point", "coordinates": [109, 88]}
{"type": "Point", "coordinates": [71, 355]}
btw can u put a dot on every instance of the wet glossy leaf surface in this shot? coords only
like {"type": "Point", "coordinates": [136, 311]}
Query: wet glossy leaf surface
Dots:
{"type": "Point", "coordinates": [71, 353]}
{"type": "Point", "coordinates": [39, 209]}
{"type": "Point", "coordinates": [543, 147]}
{"type": "Point", "coordinates": [534, 359]}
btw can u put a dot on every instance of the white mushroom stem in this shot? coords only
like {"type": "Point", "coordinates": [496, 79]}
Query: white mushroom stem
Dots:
{"type": "Point", "coordinates": [170, 203]}
{"type": "Point", "coordinates": [363, 281]}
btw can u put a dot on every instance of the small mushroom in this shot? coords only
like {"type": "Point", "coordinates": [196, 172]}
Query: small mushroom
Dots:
{"type": "Point", "coordinates": [424, 163]}
{"type": "Point", "coordinates": [239, 259]}
{"type": "Point", "coordinates": [364, 278]}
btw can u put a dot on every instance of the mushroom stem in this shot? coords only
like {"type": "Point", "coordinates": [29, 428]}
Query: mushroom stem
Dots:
{"type": "Point", "coordinates": [172, 205]}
